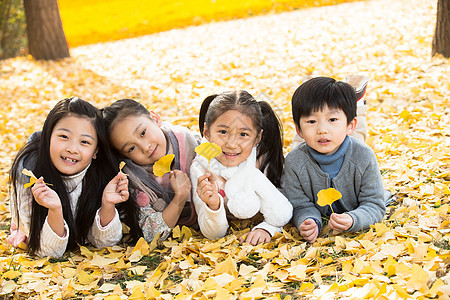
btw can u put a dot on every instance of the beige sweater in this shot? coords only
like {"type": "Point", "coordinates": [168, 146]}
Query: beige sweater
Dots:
{"type": "Point", "coordinates": [51, 243]}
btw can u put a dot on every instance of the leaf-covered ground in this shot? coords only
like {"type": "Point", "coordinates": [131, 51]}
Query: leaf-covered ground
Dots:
{"type": "Point", "coordinates": [407, 255]}
{"type": "Point", "coordinates": [87, 22]}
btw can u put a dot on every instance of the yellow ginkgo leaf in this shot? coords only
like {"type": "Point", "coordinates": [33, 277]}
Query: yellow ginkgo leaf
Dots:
{"type": "Point", "coordinates": [33, 178]}
{"type": "Point", "coordinates": [328, 196]}
{"type": "Point", "coordinates": [121, 165]}
{"type": "Point", "coordinates": [11, 274]}
{"type": "Point", "coordinates": [182, 234]}
{"type": "Point", "coordinates": [208, 150]}
{"type": "Point", "coordinates": [162, 166]}
{"type": "Point", "coordinates": [32, 181]}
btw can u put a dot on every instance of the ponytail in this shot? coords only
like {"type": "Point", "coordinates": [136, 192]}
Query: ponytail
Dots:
{"type": "Point", "coordinates": [270, 148]}
{"type": "Point", "coordinates": [203, 111]}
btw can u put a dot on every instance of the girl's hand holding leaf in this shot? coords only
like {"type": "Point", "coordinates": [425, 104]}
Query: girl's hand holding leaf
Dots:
{"type": "Point", "coordinates": [208, 191]}
{"type": "Point", "coordinates": [48, 198]}
{"type": "Point", "coordinates": [181, 184]}
{"type": "Point", "coordinates": [45, 196]}
{"type": "Point", "coordinates": [116, 191]}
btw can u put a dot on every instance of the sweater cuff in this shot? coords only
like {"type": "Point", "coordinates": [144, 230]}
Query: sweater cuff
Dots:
{"type": "Point", "coordinates": [213, 223]}
{"type": "Point", "coordinates": [115, 222]}
{"type": "Point", "coordinates": [356, 226]}
{"type": "Point", "coordinates": [214, 213]}
{"type": "Point", "coordinates": [51, 243]}
{"type": "Point", "coordinates": [319, 224]}
{"type": "Point", "coordinates": [49, 235]}
{"type": "Point", "coordinates": [269, 228]}
{"type": "Point", "coordinates": [108, 235]}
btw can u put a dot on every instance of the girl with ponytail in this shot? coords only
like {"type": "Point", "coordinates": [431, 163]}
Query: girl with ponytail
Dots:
{"type": "Point", "coordinates": [242, 181]}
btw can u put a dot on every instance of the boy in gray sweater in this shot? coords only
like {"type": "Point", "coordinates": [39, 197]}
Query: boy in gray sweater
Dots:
{"type": "Point", "coordinates": [324, 113]}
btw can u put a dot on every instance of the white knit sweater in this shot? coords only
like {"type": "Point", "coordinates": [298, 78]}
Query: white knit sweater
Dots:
{"type": "Point", "coordinates": [247, 190]}
{"type": "Point", "coordinates": [51, 243]}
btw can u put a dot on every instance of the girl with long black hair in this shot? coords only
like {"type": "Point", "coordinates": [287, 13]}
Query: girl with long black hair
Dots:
{"type": "Point", "coordinates": [76, 203]}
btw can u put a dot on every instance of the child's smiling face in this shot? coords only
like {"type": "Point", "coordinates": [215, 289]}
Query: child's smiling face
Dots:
{"type": "Point", "coordinates": [73, 144]}
{"type": "Point", "coordinates": [139, 138]}
{"type": "Point", "coordinates": [236, 134]}
{"type": "Point", "coordinates": [325, 130]}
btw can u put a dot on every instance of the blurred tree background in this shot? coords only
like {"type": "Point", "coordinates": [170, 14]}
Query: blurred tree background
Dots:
{"type": "Point", "coordinates": [12, 28]}
{"type": "Point", "coordinates": [93, 21]}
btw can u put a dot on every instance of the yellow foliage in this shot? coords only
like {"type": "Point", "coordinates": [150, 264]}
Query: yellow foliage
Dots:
{"type": "Point", "coordinates": [121, 165]}
{"type": "Point", "coordinates": [208, 150]}
{"type": "Point", "coordinates": [33, 178]}
{"type": "Point", "coordinates": [403, 256]}
{"type": "Point", "coordinates": [328, 196]}
{"type": "Point", "coordinates": [87, 22]}
{"type": "Point", "coordinates": [162, 166]}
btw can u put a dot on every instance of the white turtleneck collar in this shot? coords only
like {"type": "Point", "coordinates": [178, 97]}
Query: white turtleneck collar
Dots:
{"type": "Point", "coordinates": [72, 181]}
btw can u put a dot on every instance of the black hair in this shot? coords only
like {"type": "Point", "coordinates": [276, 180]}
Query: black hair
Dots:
{"type": "Point", "coordinates": [35, 155]}
{"type": "Point", "coordinates": [129, 210]}
{"type": "Point", "coordinates": [317, 92]}
{"type": "Point", "coordinates": [121, 109]}
{"type": "Point", "coordinates": [270, 148]}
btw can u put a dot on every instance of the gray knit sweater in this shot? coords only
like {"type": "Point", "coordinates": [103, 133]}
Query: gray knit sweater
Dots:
{"type": "Point", "coordinates": [359, 181]}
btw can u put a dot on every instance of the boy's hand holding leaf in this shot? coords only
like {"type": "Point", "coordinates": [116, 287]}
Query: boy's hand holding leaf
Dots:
{"type": "Point", "coordinates": [338, 222]}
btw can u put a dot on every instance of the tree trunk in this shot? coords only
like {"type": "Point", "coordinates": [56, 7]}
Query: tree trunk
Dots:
{"type": "Point", "coordinates": [46, 38]}
{"type": "Point", "coordinates": [441, 39]}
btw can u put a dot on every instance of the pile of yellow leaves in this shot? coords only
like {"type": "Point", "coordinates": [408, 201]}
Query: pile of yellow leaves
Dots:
{"type": "Point", "coordinates": [407, 255]}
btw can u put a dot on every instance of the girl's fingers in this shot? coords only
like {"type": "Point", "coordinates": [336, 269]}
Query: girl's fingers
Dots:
{"type": "Point", "coordinates": [203, 189]}
{"type": "Point", "coordinates": [38, 190]}
{"type": "Point", "coordinates": [122, 186]}
{"type": "Point", "coordinates": [204, 177]}
{"type": "Point", "coordinates": [124, 195]}
{"type": "Point", "coordinates": [38, 185]}
{"type": "Point", "coordinates": [204, 185]}
{"type": "Point", "coordinates": [120, 177]}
